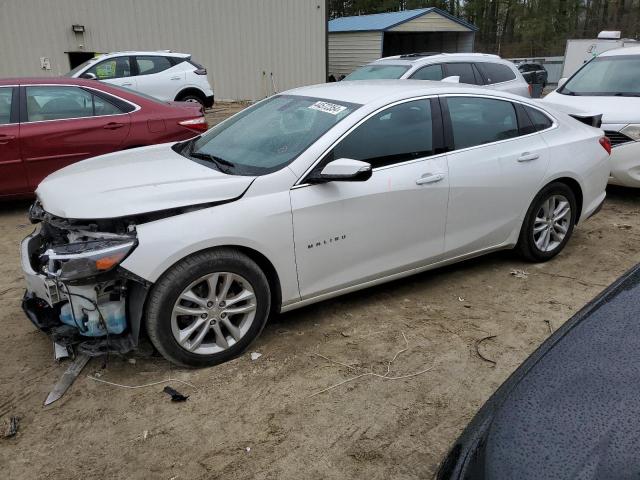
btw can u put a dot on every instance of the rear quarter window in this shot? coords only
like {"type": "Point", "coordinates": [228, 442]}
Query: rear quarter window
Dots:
{"type": "Point", "coordinates": [496, 72]}
{"type": "Point", "coordinates": [540, 120]}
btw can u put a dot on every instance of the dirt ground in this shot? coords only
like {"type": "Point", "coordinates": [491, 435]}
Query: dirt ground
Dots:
{"type": "Point", "coordinates": [260, 419]}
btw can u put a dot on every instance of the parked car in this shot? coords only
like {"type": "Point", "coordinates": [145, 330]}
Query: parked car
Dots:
{"type": "Point", "coordinates": [472, 68]}
{"type": "Point", "coordinates": [163, 75]}
{"type": "Point", "coordinates": [49, 123]}
{"type": "Point", "coordinates": [571, 409]}
{"type": "Point", "coordinates": [534, 73]}
{"type": "Point", "coordinates": [609, 84]}
{"type": "Point", "coordinates": [303, 196]}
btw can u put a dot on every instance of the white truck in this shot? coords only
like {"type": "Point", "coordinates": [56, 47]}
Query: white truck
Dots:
{"type": "Point", "coordinates": [579, 52]}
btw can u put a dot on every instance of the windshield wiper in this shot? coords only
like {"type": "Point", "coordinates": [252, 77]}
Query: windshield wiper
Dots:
{"type": "Point", "coordinates": [626, 94]}
{"type": "Point", "coordinates": [225, 166]}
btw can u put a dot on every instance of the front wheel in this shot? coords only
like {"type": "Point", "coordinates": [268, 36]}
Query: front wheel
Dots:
{"type": "Point", "coordinates": [548, 224]}
{"type": "Point", "coordinates": [208, 308]}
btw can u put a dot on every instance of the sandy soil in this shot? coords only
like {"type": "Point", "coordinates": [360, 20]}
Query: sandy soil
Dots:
{"type": "Point", "coordinates": [259, 419]}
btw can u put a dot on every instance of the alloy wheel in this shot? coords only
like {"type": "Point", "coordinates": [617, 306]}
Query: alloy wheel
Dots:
{"type": "Point", "coordinates": [213, 313]}
{"type": "Point", "coordinates": [552, 223]}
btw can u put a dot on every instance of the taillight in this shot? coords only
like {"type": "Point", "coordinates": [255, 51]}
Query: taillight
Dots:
{"type": "Point", "coordinates": [530, 87]}
{"type": "Point", "coordinates": [196, 124]}
{"type": "Point", "coordinates": [200, 71]}
{"type": "Point", "coordinates": [606, 144]}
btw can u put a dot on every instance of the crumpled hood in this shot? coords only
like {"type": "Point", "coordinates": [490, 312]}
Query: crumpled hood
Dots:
{"type": "Point", "coordinates": [613, 109]}
{"type": "Point", "coordinates": [135, 181]}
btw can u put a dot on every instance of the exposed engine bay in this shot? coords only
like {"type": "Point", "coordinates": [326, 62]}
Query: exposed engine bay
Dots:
{"type": "Point", "coordinates": [76, 291]}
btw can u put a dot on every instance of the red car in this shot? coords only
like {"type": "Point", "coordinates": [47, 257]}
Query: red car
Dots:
{"type": "Point", "coordinates": [48, 123]}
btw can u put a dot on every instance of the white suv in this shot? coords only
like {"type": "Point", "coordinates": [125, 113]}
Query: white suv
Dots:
{"type": "Point", "coordinates": [164, 75]}
{"type": "Point", "coordinates": [480, 69]}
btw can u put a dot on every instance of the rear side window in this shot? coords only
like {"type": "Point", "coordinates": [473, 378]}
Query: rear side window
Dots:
{"type": "Point", "coordinates": [495, 72]}
{"type": "Point", "coordinates": [462, 70]}
{"type": "Point", "coordinates": [430, 72]}
{"type": "Point", "coordinates": [59, 103]}
{"type": "Point", "coordinates": [118, 67]}
{"type": "Point", "coordinates": [476, 121]}
{"type": "Point", "coordinates": [399, 133]}
{"type": "Point", "coordinates": [377, 72]}
{"type": "Point", "coordinates": [148, 65]}
{"type": "Point", "coordinates": [6, 97]}
{"type": "Point", "coordinates": [540, 120]}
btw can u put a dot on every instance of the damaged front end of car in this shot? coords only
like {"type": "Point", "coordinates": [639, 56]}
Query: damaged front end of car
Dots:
{"type": "Point", "coordinates": [76, 290]}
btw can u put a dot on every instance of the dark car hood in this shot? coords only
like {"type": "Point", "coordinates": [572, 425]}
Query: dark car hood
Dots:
{"type": "Point", "coordinates": [572, 409]}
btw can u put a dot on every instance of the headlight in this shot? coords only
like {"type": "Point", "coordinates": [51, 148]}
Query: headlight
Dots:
{"type": "Point", "coordinates": [86, 259]}
{"type": "Point", "coordinates": [632, 131]}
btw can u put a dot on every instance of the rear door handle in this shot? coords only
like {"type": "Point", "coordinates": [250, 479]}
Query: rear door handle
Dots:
{"type": "Point", "coordinates": [113, 126]}
{"type": "Point", "coordinates": [127, 84]}
{"type": "Point", "coordinates": [430, 178]}
{"type": "Point", "coordinates": [528, 157]}
{"type": "Point", "coordinates": [175, 78]}
{"type": "Point", "coordinates": [4, 139]}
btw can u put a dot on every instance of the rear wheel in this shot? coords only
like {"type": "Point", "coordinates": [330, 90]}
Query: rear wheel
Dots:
{"type": "Point", "coordinates": [191, 98]}
{"type": "Point", "coordinates": [548, 224]}
{"type": "Point", "coordinates": [208, 308]}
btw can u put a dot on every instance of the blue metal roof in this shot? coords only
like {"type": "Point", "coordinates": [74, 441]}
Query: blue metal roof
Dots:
{"type": "Point", "coordinates": [385, 21]}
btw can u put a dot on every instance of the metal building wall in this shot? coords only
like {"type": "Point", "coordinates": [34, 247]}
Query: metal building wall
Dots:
{"type": "Point", "coordinates": [350, 50]}
{"type": "Point", "coordinates": [241, 42]}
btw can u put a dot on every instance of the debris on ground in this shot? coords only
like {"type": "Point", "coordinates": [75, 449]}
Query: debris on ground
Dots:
{"type": "Point", "coordinates": [492, 362]}
{"type": "Point", "coordinates": [145, 434]}
{"type": "Point", "coordinates": [548, 322]}
{"type": "Point", "coordinates": [345, 334]}
{"type": "Point", "coordinates": [175, 395]}
{"type": "Point", "coordinates": [132, 361]}
{"type": "Point", "coordinates": [12, 428]}
{"type": "Point", "coordinates": [255, 356]}
{"type": "Point", "coordinates": [519, 273]}
{"type": "Point", "coordinates": [460, 299]}
{"type": "Point", "coordinates": [623, 226]}
{"type": "Point", "coordinates": [248, 449]}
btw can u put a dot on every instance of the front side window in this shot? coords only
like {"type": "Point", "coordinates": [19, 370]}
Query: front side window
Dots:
{"type": "Point", "coordinates": [149, 65]}
{"type": "Point", "coordinates": [118, 67]}
{"type": "Point", "coordinates": [476, 120]}
{"type": "Point", "coordinates": [378, 72]}
{"type": "Point", "coordinates": [606, 76]}
{"type": "Point", "coordinates": [462, 70]}
{"type": "Point", "coordinates": [267, 136]}
{"type": "Point", "coordinates": [430, 72]}
{"type": "Point", "coordinates": [495, 72]}
{"type": "Point", "coordinates": [6, 97]}
{"type": "Point", "coordinates": [399, 133]}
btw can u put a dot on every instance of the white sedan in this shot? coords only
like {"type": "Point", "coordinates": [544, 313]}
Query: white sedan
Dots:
{"type": "Point", "coordinates": [609, 84]}
{"type": "Point", "coordinates": [304, 196]}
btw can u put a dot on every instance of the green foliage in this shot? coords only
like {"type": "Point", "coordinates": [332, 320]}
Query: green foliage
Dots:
{"type": "Point", "coordinates": [519, 28]}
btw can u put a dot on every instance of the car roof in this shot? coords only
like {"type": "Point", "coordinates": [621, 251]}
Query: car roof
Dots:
{"type": "Point", "coordinates": [49, 81]}
{"type": "Point", "coordinates": [167, 53]}
{"type": "Point", "coordinates": [621, 51]}
{"type": "Point", "coordinates": [427, 58]}
{"type": "Point", "coordinates": [370, 91]}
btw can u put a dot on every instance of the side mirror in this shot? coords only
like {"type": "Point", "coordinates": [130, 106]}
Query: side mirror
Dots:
{"type": "Point", "coordinates": [89, 76]}
{"type": "Point", "coordinates": [343, 170]}
{"type": "Point", "coordinates": [562, 81]}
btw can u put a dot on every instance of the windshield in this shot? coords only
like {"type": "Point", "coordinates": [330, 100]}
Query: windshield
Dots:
{"type": "Point", "coordinates": [80, 67]}
{"type": "Point", "coordinates": [604, 76]}
{"type": "Point", "coordinates": [378, 72]}
{"type": "Point", "coordinates": [267, 136]}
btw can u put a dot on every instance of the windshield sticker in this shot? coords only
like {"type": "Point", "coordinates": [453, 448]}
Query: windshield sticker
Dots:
{"type": "Point", "coordinates": [326, 107]}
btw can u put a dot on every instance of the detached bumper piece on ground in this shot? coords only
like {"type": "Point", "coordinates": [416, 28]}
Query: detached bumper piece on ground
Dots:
{"type": "Point", "coordinates": [571, 410]}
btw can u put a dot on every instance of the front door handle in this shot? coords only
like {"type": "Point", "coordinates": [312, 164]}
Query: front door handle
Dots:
{"type": "Point", "coordinates": [113, 126]}
{"type": "Point", "coordinates": [126, 84]}
{"type": "Point", "coordinates": [528, 157]}
{"type": "Point", "coordinates": [4, 139]}
{"type": "Point", "coordinates": [430, 178]}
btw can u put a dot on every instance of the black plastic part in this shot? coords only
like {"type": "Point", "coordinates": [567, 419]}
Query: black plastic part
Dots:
{"type": "Point", "coordinates": [40, 313]}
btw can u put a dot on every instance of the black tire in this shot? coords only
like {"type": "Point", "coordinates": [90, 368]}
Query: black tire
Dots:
{"type": "Point", "coordinates": [192, 97]}
{"type": "Point", "coordinates": [166, 291]}
{"type": "Point", "coordinates": [526, 246]}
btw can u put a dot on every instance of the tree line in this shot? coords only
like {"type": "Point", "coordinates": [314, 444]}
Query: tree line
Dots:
{"type": "Point", "coordinates": [519, 28]}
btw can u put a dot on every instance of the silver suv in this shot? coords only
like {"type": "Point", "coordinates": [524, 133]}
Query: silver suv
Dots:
{"type": "Point", "coordinates": [472, 68]}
